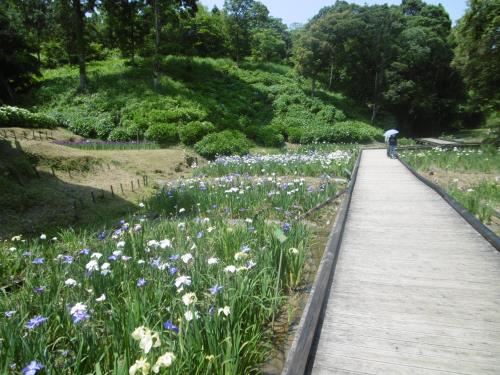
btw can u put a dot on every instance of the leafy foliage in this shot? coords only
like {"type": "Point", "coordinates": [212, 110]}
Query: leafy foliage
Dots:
{"type": "Point", "coordinates": [342, 132]}
{"type": "Point", "coordinates": [165, 134]}
{"type": "Point", "coordinates": [194, 131]}
{"type": "Point", "coordinates": [17, 64]}
{"type": "Point", "coordinates": [389, 58]}
{"type": "Point", "coordinates": [20, 117]}
{"type": "Point", "coordinates": [477, 53]}
{"type": "Point", "coordinates": [227, 142]}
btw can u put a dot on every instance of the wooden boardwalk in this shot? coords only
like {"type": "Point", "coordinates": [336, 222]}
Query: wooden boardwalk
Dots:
{"type": "Point", "coordinates": [416, 288]}
{"type": "Point", "coordinates": [438, 142]}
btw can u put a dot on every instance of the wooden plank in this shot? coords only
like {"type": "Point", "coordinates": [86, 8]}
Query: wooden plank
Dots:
{"type": "Point", "coordinates": [416, 289]}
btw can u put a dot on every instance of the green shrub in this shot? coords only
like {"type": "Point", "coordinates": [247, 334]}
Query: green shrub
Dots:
{"type": "Point", "coordinates": [119, 134]}
{"type": "Point", "coordinates": [195, 131]}
{"type": "Point", "coordinates": [270, 136]}
{"type": "Point", "coordinates": [165, 134]}
{"type": "Point", "coordinates": [22, 118]}
{"type": "Point", "coordinates": [227, 142]}
{"type": "Point", "coordinates": [342, 132]}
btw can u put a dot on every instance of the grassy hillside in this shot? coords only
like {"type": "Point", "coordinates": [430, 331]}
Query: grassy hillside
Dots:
{"type": "Point", "coordinates": [196, 96]}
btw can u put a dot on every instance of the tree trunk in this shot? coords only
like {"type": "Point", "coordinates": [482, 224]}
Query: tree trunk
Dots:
{"type": "Point", "coordinates": [331, 77]}
{"type": "Point", "coordinates": [132, 34]}
{"type": "Point", "coordinates": [156, 64]}
{"type": "Point", "coordinates": [7, 87]}
{"type": "Point", "coordinates": [80, 41]}
{"type": "Point", "coordinates": [375, 106]}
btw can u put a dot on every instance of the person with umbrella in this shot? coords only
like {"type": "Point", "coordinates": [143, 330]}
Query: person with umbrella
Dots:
{"type": "Point", "coordinates": [392, 142]}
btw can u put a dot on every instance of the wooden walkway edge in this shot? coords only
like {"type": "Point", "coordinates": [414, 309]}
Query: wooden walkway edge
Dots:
{"type": "Point", "coordinates": [416, 289]}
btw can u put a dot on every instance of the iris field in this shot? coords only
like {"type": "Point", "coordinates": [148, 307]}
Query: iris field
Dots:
{"type": "Point", "coordinates": [472, 176]}
{"type": "Point", "coordinates": [189, 284]}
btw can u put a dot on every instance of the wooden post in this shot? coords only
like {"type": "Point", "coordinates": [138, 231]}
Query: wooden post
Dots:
{"type": "Point", "coordinates": [33, 135]}
{"type": "Point", "coordinates": [132, 185]}
{"type": "Point", "coordinates": [69, 173]}
{"type": "Point", "coordinates": [112, 191]}
{"type": "Point", "coordinates": [108, 166]}
{"type": "Point", "coordinates": [40, 135]}
{"type": "Point", "coordinates": [144, 180]}
{"type": "Point", "coordinates": [138, 184]}
{"type": "Point", "coordinates": [53, 172]}
{"type": "Point", "coordinates": [121, 187]}
{"type": "Point", "coordinates": [93, 197]}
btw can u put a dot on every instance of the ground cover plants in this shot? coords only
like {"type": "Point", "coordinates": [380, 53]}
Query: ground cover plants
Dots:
{"type": "Point", "coordinates": [22, 118]}
{"type": "Point", "coordinates": [109, 145]}
{"type": "Point", "coordinates": [267, 103]}
{"type": "Point", "coordinates": [190, 283]}
{"type": "Point", "coordinates": [470, 175]}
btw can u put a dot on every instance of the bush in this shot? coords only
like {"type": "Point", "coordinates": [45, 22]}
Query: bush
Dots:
{"type": "Point", "coordinates": [343, 132]}
{"type": "Point", "coordinates": [119, 135]}
{"type": "Point", "coordinates": [22, 118]}
{"type": "Point", "coordinates": [195, 131]}
{"type": "Point", "coordinates": [165, 134]}
{"type": "Point", "coordinates": [228, 142]}
{"type": "Point", "coordinates": [270, 136]}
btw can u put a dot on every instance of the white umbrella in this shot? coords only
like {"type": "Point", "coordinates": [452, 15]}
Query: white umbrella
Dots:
{"type": "Point", "coordinates": [388, 133]}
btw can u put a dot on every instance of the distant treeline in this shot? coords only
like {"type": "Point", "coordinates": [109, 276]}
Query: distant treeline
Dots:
{"type": "Point", "coordinates": [405, 63]}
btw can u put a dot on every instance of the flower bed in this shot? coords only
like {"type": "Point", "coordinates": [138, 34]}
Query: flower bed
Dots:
{"type": "Point", "coordinates": [190, 283]}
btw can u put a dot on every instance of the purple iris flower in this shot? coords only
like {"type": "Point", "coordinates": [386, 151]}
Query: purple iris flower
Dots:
{"type": "Point", "coordinates": [216, 289]}
{"type": "Point", "coordinates": [67, 259]}
{"type": "Point", "coordinates": [199, 235]}
{"type": "Point", "coordinates": [9, 314]}
{"type": "Point", "coordinates": [211, 310]}
{"type": "Point", "coordinates": [101, 236]}
{"type": "Point", "coordinates": [39, 289]}
{"type": "Point", "coordinates": [172, 271]}
{"type": "Point", "coordinates": [286, 227]}
{"type": "Point", "coordinates": [169, 326]}
{"type": "Point", "coordinates": [112, 258]}
{"type": "Point", "coordinates": [245, 249]}
{"type": "Point", "coordinates": [27, 254]}
{"type": "Point", "coordinates": [156, 262]}
{"type": "Point", "coordinates": [80, 316]}
{"type": "Point", "coordinates": [32, 368]}
{"type": "Point", "coordinates": [122, 221]}
{"type": "Point", "coordinates": [85, 252]}
{"type": "Point", "coordinates": [174, 257]}
{"type": "Point", "coordinates": [117, 232]}
{"type": "Point", "coordinates": [141, 282]}
{"type": "Point", "coordinates": [38, 261]}
{"type": "Point", "coordinates": [35, 322]}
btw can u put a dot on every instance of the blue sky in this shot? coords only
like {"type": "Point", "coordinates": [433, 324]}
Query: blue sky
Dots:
{"type": "Point", "coordinates": [291, 11]}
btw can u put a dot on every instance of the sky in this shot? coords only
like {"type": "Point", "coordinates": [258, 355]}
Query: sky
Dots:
{"type": "Point", "coordinates": [291, 11]}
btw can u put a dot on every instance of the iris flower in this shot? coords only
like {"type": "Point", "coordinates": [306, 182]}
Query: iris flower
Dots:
{"type": "Point", "coordinates": [32, 368]}
{"type": "Point", "coordinates": [35, 322]}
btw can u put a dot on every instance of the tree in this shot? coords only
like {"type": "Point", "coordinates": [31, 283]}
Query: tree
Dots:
{"type": "Point", "coordinates": [423, 90]}
{"type": "Point", "coordinates": [238, 21]}
{"type": "Point", "coordinates": [309, 55]}
{"type": "Point", "coordinates": [72, 17]}
{"type": "Point", "coordinates": [477, 53]}
{"type": "Point", "coordinates": [36, 19]}
{"type": "Point", "coordinates": [17, 63]}
{"type": "Point", "coordinates": [268, 45]}
{"type": "Point", "coordinates": [125, 24]}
